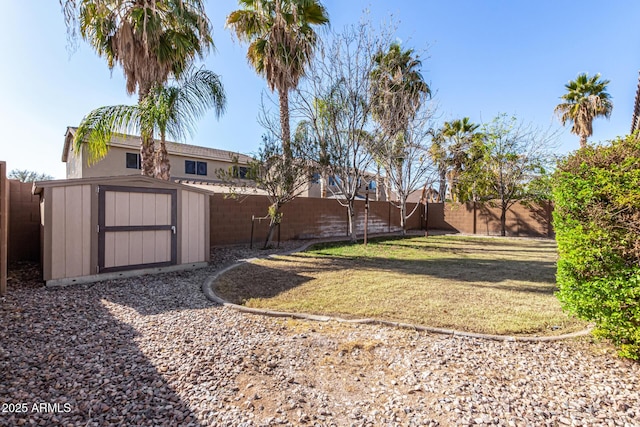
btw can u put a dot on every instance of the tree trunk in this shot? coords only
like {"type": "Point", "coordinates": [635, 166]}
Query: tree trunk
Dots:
{"type": "Point", "coordinates": [403, 215]}
{"type": "Point", "coordinates": [387, 187]}
{"type": "Point", "coordinates": [284, 123]}
{"type": "Point", "coordinates": [503, 221]}
{"type": "Point", "coordinates": [442, 186]}
{"type": "Point", "coordinates": [147, 149]}
{"type": "Point", "coordinates": [583, 141]}
{"type": "Point", "coordinates": [323, 184]}
{"type": "Point", "coordinates": [147, 154]}
{"type": "Point", "coordinates": [378, 183]}
{"type": "Point", "coordinates": [272, 227]}
{"type": "Point", "coordinates": [352, 220]}
{"type": "Point", "coordinates": [162, 166]}
{"type": "Point", "coordinates": [275, 219]}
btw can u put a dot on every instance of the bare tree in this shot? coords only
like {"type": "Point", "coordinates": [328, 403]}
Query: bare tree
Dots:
{"type": "Point", "coordinates": [339, 80]}
{"type": "Point", "coordinates": [28, 176]}
{"type": "Point", "coordinates": [407, 161]}
{"type": "Point", "coordinates": [513, 154]}
{"type": "Point", "coordinates": [272, 171]}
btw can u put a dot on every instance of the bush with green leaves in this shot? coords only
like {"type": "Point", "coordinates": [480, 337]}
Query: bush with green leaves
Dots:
{"type": "Point", "coordinates": [597, 223]}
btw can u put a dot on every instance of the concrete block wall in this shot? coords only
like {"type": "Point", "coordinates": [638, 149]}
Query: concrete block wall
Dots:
{"type": "Point", "coordinates": [4, 226]}
{"type": "Point", "coordinates": [24, 222]}
{"type": "Point", "coordinates": [523, 219]}
{"type": "Point", "coordinates": [303, 218]}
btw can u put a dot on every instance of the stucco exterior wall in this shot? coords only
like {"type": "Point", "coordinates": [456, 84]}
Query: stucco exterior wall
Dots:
{"type": "Point", "coordinates": [114, 164]}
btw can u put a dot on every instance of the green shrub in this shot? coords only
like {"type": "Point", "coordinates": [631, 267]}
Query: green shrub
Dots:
{"type": "Point", "coordinates": [597, 223]}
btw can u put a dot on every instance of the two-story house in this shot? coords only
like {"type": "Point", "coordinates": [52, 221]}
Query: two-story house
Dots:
{"type": "Point", "coordinates": [188, 162]}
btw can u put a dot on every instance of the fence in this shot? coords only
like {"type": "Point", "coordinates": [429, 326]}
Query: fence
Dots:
{"type": "Point", "coordinates": [303, 218]}
{"type": "Point", "coordinates": [522, 219]}
{"type": "Point", "coordinates": [24, 222]}
{"type": "Point", "coordinates": [4, 226]}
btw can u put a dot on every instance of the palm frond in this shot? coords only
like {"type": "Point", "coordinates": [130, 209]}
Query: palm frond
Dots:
{"type": "Point", "coordinates": [98, 127]}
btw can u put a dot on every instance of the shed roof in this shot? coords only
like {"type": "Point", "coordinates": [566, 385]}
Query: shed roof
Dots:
{"type": "Point", "coordinates": [133, 141]}
{"type": "Point", "coordinates": [124, 180]}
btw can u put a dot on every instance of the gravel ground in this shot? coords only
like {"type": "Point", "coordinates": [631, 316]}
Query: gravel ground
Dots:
{"type": "Point", "coordinates": [154, 351]}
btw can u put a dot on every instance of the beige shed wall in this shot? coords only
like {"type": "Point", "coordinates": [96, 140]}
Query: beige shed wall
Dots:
{"type": "Point", "coordinates": [70, 231]}
{"type": "Point", "coordinates": [194, 225]}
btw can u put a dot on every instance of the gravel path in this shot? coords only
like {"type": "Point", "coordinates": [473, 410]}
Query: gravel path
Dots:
{"type": "Point", "coordinates": [154, 351]}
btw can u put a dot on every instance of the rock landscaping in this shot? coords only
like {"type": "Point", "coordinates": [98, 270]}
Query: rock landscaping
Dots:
{"type": "Point", "coordinates": [153, 350]}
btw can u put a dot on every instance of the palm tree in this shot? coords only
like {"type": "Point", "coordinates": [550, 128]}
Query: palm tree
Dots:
{"type": "Point", "coordinates": [397, 88]}
{"type": "Point", "coordinates": [586, 99]}
{"type": "Point", "coordinates": [281, 43]}
{"type": "Point", "coordinates": [397, 91]}
{"type": "Point", "coordinates": [460, 134]}
{"type": "Point", "coordinates": [171, 110]}
{"type": "Point", "coordinates": [151, 40]}
{"type": "Point", "coordinates": [438, 154]}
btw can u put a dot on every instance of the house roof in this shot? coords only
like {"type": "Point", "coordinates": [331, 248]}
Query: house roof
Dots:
{"type": "Point", "coordinates": [124, 180]}
{"type": "Point", "coordinates": [174, 148]}
{"type": "Point", "coordinates": [635, 120]}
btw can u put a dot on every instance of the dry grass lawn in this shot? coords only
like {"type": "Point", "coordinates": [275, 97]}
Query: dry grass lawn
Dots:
{"type": "Point", "coordinates": [484, 285]}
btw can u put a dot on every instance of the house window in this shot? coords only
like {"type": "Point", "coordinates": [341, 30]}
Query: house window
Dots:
{"type": "Point", "coordinates": [240, 171]}
{"type": "Point", "coordinates": [133, 161]}
{"type": "Point", "coordinates": [192, 167]}
{"type": "Point", "coordinates": [372, 185]}
{"type": "Point", "coordinates": [316, 178]}
{"type": "Point", "coordinates": [334, 180]}
{"type": "Point", "coordinates": [201, 168]}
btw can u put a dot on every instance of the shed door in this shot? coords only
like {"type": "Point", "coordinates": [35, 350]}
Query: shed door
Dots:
{"type": "Point", "coordinates": [136, 228]}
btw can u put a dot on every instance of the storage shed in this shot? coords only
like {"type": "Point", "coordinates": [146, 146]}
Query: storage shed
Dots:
{"type": "Point", "coordinates": [101, 228]}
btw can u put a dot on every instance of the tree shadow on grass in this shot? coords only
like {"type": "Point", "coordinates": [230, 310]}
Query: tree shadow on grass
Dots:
{"type": "Point", "coordinates": [269, 279]}
{"type": "Point", "coordinates": [466, 269]}
{"type": "Point", "coordinates": [64, 351]}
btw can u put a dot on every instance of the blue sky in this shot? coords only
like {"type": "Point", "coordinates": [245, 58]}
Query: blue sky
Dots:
{"type": "Point", "coordinates": [483, 57]}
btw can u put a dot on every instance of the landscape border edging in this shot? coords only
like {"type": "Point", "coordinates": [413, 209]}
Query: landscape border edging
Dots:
{"type": "Point", "coordinates": [207, 289]}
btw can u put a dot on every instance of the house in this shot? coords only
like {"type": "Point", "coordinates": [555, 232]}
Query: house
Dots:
{"type": "Point", "coordinates": [368, 183]}
{"type": "Point", "coordinates": [188, 162]}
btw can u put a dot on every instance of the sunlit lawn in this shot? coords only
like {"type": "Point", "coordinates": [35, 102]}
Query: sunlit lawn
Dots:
{"type": "Point", "coordinates": [484, 285]}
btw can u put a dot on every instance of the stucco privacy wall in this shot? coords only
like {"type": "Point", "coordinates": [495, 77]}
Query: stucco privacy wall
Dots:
{"type": "Point", "coordinates": [523, 219]}
{"type": "Point", "coordinates": [303, 218]}
{"type": "Point", "coordinates": [24, 222]}
{"type": "Point", "coordinates": [106, 225]}
{"type": "Point", "coordinates": [4, 226]}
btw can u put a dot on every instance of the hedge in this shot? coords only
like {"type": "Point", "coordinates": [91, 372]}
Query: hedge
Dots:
{"type": "Point", "coordinates": [597, 222]}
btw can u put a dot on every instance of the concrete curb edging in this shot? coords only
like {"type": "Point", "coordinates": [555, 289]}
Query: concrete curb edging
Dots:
{"type": "Point", "coordinates": [207, 289]}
